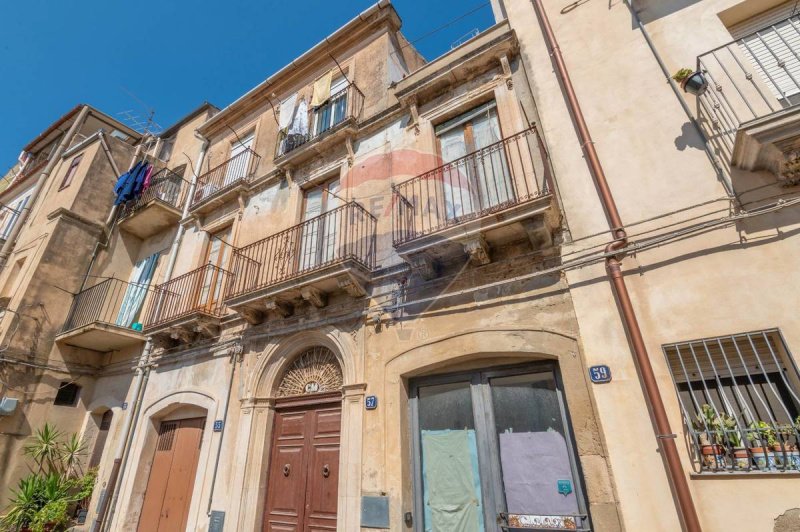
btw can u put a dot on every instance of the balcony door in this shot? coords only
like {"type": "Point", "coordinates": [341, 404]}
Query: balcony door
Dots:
{"type": "Point", "coordinates": [239, 163]}
{"type": "Point", "coordinates": [475, 174]}
{"type": "Point", "coordinates": [319, 232]}
{"type": "Point", "coordinates": [333, 111]}
{"type": "Point", "coordinates": [493, 451]}
{"type": "Point", "coordinates": [218, 253]}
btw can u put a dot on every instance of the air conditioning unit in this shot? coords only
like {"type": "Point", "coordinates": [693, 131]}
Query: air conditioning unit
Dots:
{"type": "Point", "coordinates": [8, 405]}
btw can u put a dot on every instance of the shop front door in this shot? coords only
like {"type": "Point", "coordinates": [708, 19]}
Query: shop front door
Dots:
{"type": "Point", "coordinates": [304, 467]}
{"type": "Point", "coordinates": [171, 481]}
{"type": "Point", "coordinates": [493, 452]}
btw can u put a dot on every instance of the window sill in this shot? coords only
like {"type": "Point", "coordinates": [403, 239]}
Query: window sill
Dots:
{"type": "Point", "coordinates": [708, 475]}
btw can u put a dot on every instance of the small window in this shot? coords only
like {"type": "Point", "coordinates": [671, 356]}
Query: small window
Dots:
{"type": "Point", "coordinates": [165, 152]}
{"type": "Point", "coordinates": [73, 167]}
{"type": "Point", "coordinates": [739, 396]}
{"type": "Point", "coordinates": [67, 394]}
{"type": "Point", "coordinates": [119, 134]}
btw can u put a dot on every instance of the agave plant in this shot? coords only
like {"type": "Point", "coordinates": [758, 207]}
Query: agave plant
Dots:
{"type": "Point", "coordinates": [26, 500]}
{"type": "Point", "coordinates": [72, 450]}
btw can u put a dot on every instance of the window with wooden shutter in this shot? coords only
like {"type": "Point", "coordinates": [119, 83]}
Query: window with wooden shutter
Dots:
{"type": "Point", "coordinates": [771, 41]}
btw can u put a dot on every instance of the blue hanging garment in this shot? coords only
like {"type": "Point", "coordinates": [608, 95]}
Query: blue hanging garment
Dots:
{"type": "Point", "coordinates": [123, 182]}
{"type": "Point", "coordinates": [138, 184]}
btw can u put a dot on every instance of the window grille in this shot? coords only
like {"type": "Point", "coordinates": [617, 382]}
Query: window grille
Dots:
{"type": "Point", "coordinates": [739, 397]}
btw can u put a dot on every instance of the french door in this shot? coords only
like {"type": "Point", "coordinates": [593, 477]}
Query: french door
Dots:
{"type": "Point", "coordinates": [334, 110]}
{"type": "Point", "coordinates": [239, 162]}
{"type": "Point", "coordinates": [493, 451]}
{"type": "Point", "coordinates": [211, 290]}
{"type": "Point", "coordinates": [473, 177]}
{"type": "Point", "coordinates": [320, 235]}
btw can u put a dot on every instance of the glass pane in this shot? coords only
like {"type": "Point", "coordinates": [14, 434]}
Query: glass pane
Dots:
{"type": "Point", "coordinates": [450, 474]}
{"type": "Point", "coordinates": [533, 449]}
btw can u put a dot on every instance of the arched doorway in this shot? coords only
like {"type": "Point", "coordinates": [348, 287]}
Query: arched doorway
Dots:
{"type": "Point", "coordinates": [303, 475]}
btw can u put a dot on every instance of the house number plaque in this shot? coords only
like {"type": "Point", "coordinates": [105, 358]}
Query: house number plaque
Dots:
{"type": "Point", "coordinates": [600, 374]}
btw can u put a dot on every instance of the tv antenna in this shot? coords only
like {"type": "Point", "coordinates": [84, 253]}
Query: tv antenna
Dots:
{"type": "Point", "coordinates": [145, 125]}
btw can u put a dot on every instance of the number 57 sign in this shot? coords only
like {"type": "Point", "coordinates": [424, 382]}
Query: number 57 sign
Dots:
{"type": "Point", "coordinates": [600, 374]}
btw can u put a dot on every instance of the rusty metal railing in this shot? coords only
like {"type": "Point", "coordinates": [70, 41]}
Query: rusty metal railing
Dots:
{"type": "Point", "coordinates": [345, 233]}
{"type": "Point", "coordinates": [110, 302]}
{"type": "Point", "coordinates": [199, 291]}
{"type": "Point", "coordinates": [483, 182]}
{"type": "Point", "coordinates": [239, 168]}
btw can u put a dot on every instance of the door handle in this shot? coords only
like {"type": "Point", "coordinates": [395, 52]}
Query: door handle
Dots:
{"type": "Point", "coordinates": [326, 471]}
{"type": "Point", "coordinates": [286, 470]}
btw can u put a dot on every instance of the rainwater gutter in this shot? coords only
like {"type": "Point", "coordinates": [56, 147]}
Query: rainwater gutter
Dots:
{"type": "Point", "coordinates": [664, 435]}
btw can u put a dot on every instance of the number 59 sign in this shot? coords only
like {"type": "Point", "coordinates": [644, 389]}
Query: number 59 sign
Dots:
{"type": "Point", "coordinates": [600, 374]}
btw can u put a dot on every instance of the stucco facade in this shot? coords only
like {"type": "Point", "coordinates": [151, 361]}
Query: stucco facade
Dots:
{"type": "Point", "coordinates": [328, 267]}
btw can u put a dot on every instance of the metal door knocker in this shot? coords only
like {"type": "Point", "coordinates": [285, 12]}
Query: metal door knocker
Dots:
{"type": "Point", "coordinates": [326, 471]}
{"type": "Point", "coordinates": [286, 470]}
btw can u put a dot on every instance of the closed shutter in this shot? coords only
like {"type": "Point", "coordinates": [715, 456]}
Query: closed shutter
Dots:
{"type": "Point", "coordinates": [699, 360]}
{"type": "Point", "coordinates": [771, 42]}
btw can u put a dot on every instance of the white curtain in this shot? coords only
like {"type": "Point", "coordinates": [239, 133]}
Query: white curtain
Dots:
{"type": "Point", "coordinates": [455, 177]}
{"type": "Point", "coordinates": [491, 169]}
{"type": "Point", "coordinates": [137, 290]}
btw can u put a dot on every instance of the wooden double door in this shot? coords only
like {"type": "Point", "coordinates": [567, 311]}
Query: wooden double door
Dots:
{"type": "Point", "coordinates": [303, 479]}
{"type": "Point", "coordinates": [171, 481]}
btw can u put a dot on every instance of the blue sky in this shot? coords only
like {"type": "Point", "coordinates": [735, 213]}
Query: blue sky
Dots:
{"type": "Point", "coordinates": [172, 55]}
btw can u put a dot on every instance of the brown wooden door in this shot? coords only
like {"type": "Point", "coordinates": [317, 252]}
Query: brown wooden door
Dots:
{"type": "Point", "coordinates": [304, 469]}
{"type": "Point", "coordinates": [169, 488]}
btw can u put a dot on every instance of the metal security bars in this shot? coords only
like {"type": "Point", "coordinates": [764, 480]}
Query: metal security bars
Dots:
{"type": "Point", "coordinates": [480, 183]}
{"type": "Point", "coordinates": [739, 396]}
{"type": "Point", "coordinates": [343, 106]}
{"type": "Point", "coordinates": [199, 291]}
{"type": "Point", "coordinates": [109, 302]}
{"type": "Point", "coordinates": [165, 186]}
{"type": "Point", "coordinates": [749, 78]}
{"type": "Point", "coordinates": [239, 168]}
{"type": "Point", "coordinates": [344, 233]}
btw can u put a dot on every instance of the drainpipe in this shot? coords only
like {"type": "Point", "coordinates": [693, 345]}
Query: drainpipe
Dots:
{"type": "Point", "coordinates": [123, 448]}
{"type": "Point", "coordinates": [5, 252]}
{"type": "Point", "coordinates": [664, 435]}
{"type": "Point", "coordinates": [173, 253]}
{"type": "Point", "coordinates": [235, 357]}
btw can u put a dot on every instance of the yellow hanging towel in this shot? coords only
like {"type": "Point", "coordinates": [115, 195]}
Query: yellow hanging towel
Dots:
{"type": "Point", "coordinates": [322, 89]}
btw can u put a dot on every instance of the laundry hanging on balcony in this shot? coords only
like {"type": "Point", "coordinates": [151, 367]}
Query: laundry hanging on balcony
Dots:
{"type": "Point", "coordinates": [298, 131]}
{"type": "Point", "coordinates": [131, 183]}
{"type": "Point", "coordinates": [147, 178]}
{"type": "Point", "coordinates": [322, 89]}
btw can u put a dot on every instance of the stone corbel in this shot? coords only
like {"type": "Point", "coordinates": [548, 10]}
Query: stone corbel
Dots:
{"type": "Point", "coordinates": [506, 66]}
{"type": "Point", "coordinates": [351, 285]}
{"type": "Point", "coordinates": [162, 341]}
{"type": "Point", "coordinates": [283, 308]}
{"type": "Point", "coordinates": [242, 203]}
{"type": "Point", "coordinates": [251, 315]}
{"type": "Point", "coordinates": [351, 155]}
{"type": "Point", "coordinates": [314, 296]}
{"type": "Point", "coordinates": [477, 249]}
{"type": "Point", "coordinates": [181, 334]}
{"type": "Point", "coordinates": [206, 328]}
{"type": "Point", "coordinates": [539, 232]}
{"type": "Point", "coordinates": [413, 109]}
{"type": "Point", "coordinates": [422, 264]}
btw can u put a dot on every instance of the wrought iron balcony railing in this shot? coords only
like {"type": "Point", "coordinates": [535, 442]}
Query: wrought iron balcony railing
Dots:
{"type": "Point", "coordinates": [749, 78]}
{"type": "Point", "coordinates": [343, 106]}
{"type": "Point", "coordinates": [166, 186]}
{"type": "Point", "coordinates": [486, 181]}
{"type": "Point", "coordinates": [199, 291]}
{"type": "Point", "coordinates": [344, 233]}
{"type": "Point", "coordinates": [109, 302]}
{"type": "Point", "coordinates": [239, 168]}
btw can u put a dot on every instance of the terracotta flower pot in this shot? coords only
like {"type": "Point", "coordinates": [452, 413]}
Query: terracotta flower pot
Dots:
{"type": "Point", "coordinates": [763, 458]}
{"type": "Point", "coordinates": [786, 456]}
{"type": "Point", "coordinates": [713, 456]}
{"type": "Point", "coordinates": [741, 458]}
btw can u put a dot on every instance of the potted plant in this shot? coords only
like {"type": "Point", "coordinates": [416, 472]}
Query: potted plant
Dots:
{"type": "Point", "coordinates": [762, 435]}
{"type": "Point", "coordinates": [709, 429]}
{"type": "Point", "coordinates": [741, 458]}
{"type": "Point", "coordinates": [786, 453]}
{"type": "Point", "coordinates": [692, 81]}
